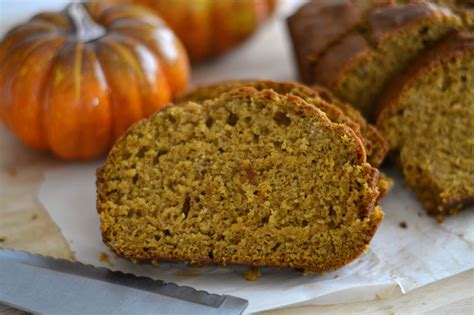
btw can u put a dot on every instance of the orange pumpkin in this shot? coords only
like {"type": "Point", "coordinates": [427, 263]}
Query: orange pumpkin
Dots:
{"type": "Point", "coordinates": [72, 82]}
{"type": "Point", "coordinates": [209, 28]}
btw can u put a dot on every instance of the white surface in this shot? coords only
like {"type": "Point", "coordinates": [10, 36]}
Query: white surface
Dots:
{"type": "Point", "coordinates": [404, 258]}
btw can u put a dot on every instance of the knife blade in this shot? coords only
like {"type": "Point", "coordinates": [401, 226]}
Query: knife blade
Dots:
{"type": "Point", "coordinates": [40, 284]}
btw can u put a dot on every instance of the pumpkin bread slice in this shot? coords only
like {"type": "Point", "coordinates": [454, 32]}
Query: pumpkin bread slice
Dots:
{"type": "Point", "coordinates": [251, 177]}
{"type": "Point", "coordinates": [428, 115]}
{"type": "Point", "coordinates": [358, 56]}
{"type": "Point", "coordinates": [375, 146]}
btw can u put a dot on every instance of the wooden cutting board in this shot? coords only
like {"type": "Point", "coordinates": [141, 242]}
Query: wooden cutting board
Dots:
{"type": "Point", "coordinates": [25, 225]}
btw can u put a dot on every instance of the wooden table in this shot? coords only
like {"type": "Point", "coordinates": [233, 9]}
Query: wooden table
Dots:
{"type": "Point", "coordinates": [25, 225]}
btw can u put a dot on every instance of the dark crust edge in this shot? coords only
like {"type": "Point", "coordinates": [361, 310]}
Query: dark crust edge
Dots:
{"type": "Point", "coordinates": [455, 44]}
{"type": "Point", "coordinates": [304, 59]}
{"type": "Point", "coordinates": [452, 206]}
{"type": "Point", "coordinates": [373, 212]}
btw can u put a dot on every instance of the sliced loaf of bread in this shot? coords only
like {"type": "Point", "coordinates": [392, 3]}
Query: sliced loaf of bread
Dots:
{"type": "Point", "coordinates": [356, 47]}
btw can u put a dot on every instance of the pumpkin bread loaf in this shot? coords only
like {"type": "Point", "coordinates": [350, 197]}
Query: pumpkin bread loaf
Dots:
{"type": "Point", "coordinates": [428, 115]}
{"type": "Point", "coordinates": [355, 47]}
{"type": "Point", "coordinates": [375, 146]}
{"type": "Point", "coordinates": [250, 177]}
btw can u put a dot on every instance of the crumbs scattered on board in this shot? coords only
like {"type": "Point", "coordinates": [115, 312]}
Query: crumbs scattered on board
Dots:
{"type": "Point", "coordinates": [12, 172]}
{"type": "Point", "coordinates": [103, 257]}
{"type": "Point", "coordinates": [403, 225]}
{"type": "Point", "coordinates": [253, 274]}
{"type": "Point", "coordinates": [419, 214]}
{"type": "Point", "coordinates": [34, 216]}
{"type": "Point", "coordinates": [155, 263]}
{"type": "Point", "coordinates": [337, 277]}
{"type": "Point", "coordinates": [2, 239]}
{"type": "Point", "coordinates": [439, 219]}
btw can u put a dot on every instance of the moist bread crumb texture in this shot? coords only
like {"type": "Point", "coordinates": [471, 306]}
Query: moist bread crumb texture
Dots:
{"type": "Point", "coordinates": [250, 177]}
{"type": "Point", "coordinates": [374, 144]}
{"type": "Point", "coordinates": [428, 116]}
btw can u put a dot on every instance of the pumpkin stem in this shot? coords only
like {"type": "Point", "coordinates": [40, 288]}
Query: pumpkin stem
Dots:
{"type": "Point", "coordinates": [86, 29]}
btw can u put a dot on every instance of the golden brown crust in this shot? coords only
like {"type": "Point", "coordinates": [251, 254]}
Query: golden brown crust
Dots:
{"type": "Point", "coordinates": [370, 214]}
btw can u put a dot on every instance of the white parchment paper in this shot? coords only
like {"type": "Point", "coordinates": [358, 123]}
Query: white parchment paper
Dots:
{"type": "Point", "coordinates": [399, 258]}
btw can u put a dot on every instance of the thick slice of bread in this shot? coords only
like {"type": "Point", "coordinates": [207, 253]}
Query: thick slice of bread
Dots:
{"type": "Point", "coordinates": [357, 62]}
{"type": "Point", "coordinates": [250, 177]}
{"type": "Point", "coordinates": [428, 115]}
{"type": "Point", "coordinates": [375, 146]}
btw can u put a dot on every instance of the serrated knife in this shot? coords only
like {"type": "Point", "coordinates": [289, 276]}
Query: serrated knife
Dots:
{"type": "Point", "coordinates": [46, 285]}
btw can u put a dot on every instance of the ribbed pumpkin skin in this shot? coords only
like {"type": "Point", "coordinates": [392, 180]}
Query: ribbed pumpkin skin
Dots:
{"type": "Point", "coordinates": [75, 97]}
{"type": "Point", "coordinates": [209, 28]}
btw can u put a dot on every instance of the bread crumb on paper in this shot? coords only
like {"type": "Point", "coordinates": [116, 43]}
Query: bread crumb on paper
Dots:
{"type": "Point", "coordinates": [253, 274]}
{"type": "Point", "coordinates": [155, 263]}
{"type": "Point", "coordinates": [103, 257]}
{"type": "Point", "coordinates": [12, 172]}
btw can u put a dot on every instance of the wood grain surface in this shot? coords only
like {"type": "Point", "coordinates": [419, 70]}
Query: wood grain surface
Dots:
{"type": "Point", "coordinates": [25, 225]}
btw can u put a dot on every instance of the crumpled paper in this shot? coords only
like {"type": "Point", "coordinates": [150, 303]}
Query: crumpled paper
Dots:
{"type": "Point", "coordinates": [400, 258]}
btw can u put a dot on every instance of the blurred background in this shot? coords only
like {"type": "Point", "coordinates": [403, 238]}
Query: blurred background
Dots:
{"type": "Point", "coordinates": [13, 12]}
{"type": "Point", "coordinates": [264, 54]}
